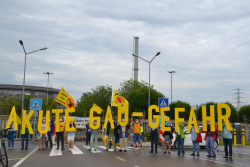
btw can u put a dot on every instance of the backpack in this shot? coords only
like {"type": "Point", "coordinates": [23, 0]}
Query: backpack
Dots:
{"type": "Point", "coordinates": [11, 135]}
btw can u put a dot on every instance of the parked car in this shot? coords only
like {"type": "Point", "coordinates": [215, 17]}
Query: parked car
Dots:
{"type": "Point", "coordinates": [188, 140]}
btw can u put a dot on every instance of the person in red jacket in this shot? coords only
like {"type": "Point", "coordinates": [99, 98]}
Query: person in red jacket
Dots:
{"type": "Point", "coordinates": [210, 137]}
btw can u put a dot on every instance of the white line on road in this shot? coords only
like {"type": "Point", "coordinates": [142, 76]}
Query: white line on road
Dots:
{"type": "Point", "coordinates": [120, 159]}
{"type": "Point", "coordinates": [76, 150]}
{"type": "Point", "coordinates": [14, 159]}
{"type": "Point", "coordinates": [55, 152]}
{"type": "Point", "coordinates": [23, 159]}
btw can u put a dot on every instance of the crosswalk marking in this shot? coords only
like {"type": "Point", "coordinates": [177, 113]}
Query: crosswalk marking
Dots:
{"type": "Point", "coordinates": [97, 151]}
{"type": "Point", "coordinates": [55, 152]}
{"type": "Point", "coordinates": [76, 150]}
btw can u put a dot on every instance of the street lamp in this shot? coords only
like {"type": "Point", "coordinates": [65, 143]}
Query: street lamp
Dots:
{"type": "Point", "coordinates": [171, 82]}
{"type": "Point", "coordinates": [149, 74]}
{"type": "Point", "coordinates": [21, 42]}
{"type": "Point", "coordinates": [47, 73]}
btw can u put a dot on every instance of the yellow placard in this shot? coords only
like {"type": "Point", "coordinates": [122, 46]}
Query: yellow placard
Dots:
{"type": "Point", "coordinates": [137, 114]}
{"type": "Point", "coordinates": [65, 99]}
{"type": "Point", "coordinates": [116, 99]}
{"type": "Point", "coordinates": [192, 120]}
{"type": "Point", "coordinates": [26, 122]}
{"type": "Point", "coordinates": [156, 117]}
{"type": "Point", "coordinates": [40, 119]}
{"type": "Point", "coordinates": [205, 118]}
{"type": "Point", "coordinates": [177, 119]}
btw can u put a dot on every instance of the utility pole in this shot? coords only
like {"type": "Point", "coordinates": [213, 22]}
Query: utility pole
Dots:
{"type": "Point", "coordinates": [238, 99]}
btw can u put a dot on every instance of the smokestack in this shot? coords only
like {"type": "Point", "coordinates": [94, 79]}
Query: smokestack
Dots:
{"type": "Point", "coordinates": [136, 68]}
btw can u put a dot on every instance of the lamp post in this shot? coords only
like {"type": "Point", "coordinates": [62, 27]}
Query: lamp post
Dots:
{"type": "Point", "coordinates": [171, 82]}
{"type": "Point", "coordinates": [21, 42]}
{"type": "Point", "coordinates": [149, 62]}
{"type": "Point", "coordinates": [47, 73]}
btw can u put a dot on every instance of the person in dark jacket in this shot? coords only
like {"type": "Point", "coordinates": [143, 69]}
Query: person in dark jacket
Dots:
{"type": "Point", "coordinates": [111, 134]}
{"type": "Point", "coordinates": [49, 134]}
{"type": "Point", "coordinates": [168, 137]}
{"type": "Point", "coordinates": [153, 137]}
{"type": "Point", "coordinates": [88, 133]}
{"type": "Point", "coordinates": [123, 135]}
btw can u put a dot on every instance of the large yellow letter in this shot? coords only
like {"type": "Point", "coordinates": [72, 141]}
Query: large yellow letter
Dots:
{"type": "Point", "coordinates": [26, 122]}
{"type": "Point", "coordinates": [177, 119]}
{"type": "Point", "coordinates": [223, 117]}
{"type": "Point", "coordinates": [156, 117]}
{"type": "Point", "coordinates": [12, 117]}
{"type": "Point", "coordinates": [91, 120]}
{"type": "Point", "coordinates": [109, 118]}
{"type": "Point", "coordinates": [192, 120]}
{"type": "Point", "coordinates": [68, 120]}
{"type": "Point", "coordinates": [120, 114]}
{"type": "Point", "coordinates": [40, 119]}
{"type": "Point", "coordinates": [205, 118]}
{"type": "Point", "coordinates": [163, 119]}
{"type": "Point", "coordinates": [57, 112]}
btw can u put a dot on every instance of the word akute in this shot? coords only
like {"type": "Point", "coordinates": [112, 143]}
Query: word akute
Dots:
{"type": "Point", "coordinates": [108, 117]}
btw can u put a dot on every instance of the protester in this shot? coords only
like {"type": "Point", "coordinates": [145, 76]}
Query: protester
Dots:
{"type": "Point", "coordinates": [94, 136]}
{"type": "Point", "coordinates": [49, 134]}
{"type": "Point", "coordinates": [88, 133]}
{"type": "Point", "coordinates": [180, 136]}
{"type": "Point", "coordinates": [210, 137]}
{"type": "Point", "coordinates": [195, 143]}
{"type": "Point", "coordinates": [123, 135]}
{"type": "Point", "coordinates": [168, 136]}
{"type": "Point", "coordinates": [11, 136]}
{"type": "Point", "coordinates": [154, 137]}
{"type": "Point", "coordinates": [111, 134]}
{"type": "Point", "coordinates": [117, 139]}
{"type": "Point", "coordinates": [26, 135]}
{"type": "Point", "coordinates": [42, 137]}
{"type": "Point", "coordinates": [60, 134]}
{"type": "Point", "coordinates": [131, 134]}
{"type": "Point", "coordinates": [227, 139]}
{"type": "Point", "coordinates": [137, 131]}
{"type": "Point", "coordinates": [141, 133]}
{"type": "Point", "coordinates": [71, 136]}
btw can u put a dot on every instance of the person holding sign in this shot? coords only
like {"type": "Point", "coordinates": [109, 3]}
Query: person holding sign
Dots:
{"type": "Point", "coordinates": [26, 135]}
{"type": "Point", "coordinates": [227, 139]}
{"type": "Point", "coordinates": [94, 136]}
{"type": "Point", "coordinates": [42, 137]}
{"type": "Point", "coordinates": [88, 133]}
{"type": "Point", "coordinates": [195, 143]}
{"type": "Point", "coordinates": [111, 134]}
{"type": "Point", "coordinates": [180, 136]}
{"type": "Point", "coordinates": [60, 134]}
{"type": "Point", "coordinates": [154, 137]}
{"type": "Point", "coordinates": [137, 132]}
{"type": "Point", "coordinates": [210, 137]}
{"type": "Point", "coordinates": [123, 135]}
{"type": "Point", "coordinates": [71, 136]}
{"type": "Point", "coordinates": [168, 136]}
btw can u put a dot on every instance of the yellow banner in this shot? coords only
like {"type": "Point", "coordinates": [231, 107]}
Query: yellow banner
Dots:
{"type": "Point", "coordinates": [117, 98]}
{"type": "Point", "coordinates": [94, 105]}
{"type": "Point", "coordinates": [65, 99]}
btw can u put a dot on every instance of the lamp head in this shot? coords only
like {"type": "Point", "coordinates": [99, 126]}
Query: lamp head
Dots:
{"type": "Point", "coordinates": [134, 55]}
{"type": "Point", "coordinates": [21, 42]}
{"type": "Point", "coordinates": [43, 48]}
{"type": "Point", "coordinates": [157, 54]}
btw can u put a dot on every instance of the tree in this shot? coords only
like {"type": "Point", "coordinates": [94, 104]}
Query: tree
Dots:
{"type": "Point", "coordinates": [244, 110]}
{"type": "Point", "coordinates": [128, 86]}
{"type": "Point", "coordinates": [179, 104]}
{"type": "Point", "coordinates": [138, 100]}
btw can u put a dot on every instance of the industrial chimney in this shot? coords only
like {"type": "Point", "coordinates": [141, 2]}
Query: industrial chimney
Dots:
{"type": "Point", "coordinates": [136, 68]}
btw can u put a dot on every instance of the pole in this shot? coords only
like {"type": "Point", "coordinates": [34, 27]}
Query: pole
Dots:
{"type": "Point", "coordinates": [34, 136]}
{"type": "Point", "coordinates": [47, 89]}
{"type": "Point", "coordinates": [149, 88]}
{"type": "Point", "coordinates": [24, 81]}
{"type": "Point", "coordinates": [171, 87]}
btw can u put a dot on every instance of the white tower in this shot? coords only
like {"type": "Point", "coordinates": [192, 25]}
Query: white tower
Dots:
{"type": "Point", "coordinates": [136, 68]}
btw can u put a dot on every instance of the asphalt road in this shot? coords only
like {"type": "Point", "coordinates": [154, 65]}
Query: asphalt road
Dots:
{"type": "Point", "coordinates": [81, 157]}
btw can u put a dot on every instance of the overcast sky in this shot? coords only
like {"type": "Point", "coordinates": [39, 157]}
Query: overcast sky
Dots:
{"type": "Point", "coordinates": [90, 43]}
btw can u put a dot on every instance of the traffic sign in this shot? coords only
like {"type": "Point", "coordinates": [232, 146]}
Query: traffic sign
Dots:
{"type": "Point", "coordinates": [35, 104]}
{"type": "Point", "coordinates": [163, 102]}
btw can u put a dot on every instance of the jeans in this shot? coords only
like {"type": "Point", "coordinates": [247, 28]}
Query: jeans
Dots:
{"type": "Point", "coordinates": [58, 135]}
{"type": "Point", "coordinates": [154, 136]}
{"type": "Point", "coordinates": [180, 143]}
{"type": "Point", "coordinates": [88, 134]}
{"type": "Point", "coordinates": [93, 137]}
{"type": "Point", "coordinates": [137, 137]}
{"type": "Point", "coordinates": [49, 139]}
{"type": "Point", "coordinates": [196, 144]}
{"type": "Point", "coordinates": [12, 143]}
{"type": "Point", "coordinates": [229, 143]}
{"type": "Point", "coordinates": [210, 142]}
{"type": "Point", "coordinates": [26, 135]}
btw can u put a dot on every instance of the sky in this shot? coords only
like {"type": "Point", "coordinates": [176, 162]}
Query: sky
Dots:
{"type": "Point", "coordinates": [90, 43]}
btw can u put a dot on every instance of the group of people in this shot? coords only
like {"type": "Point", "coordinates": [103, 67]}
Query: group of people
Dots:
{"type": "Point", "coordinates": [121, 133]}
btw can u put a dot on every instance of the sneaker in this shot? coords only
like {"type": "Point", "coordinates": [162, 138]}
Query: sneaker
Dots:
{"type": "Point", "coordinates": [63, 148]}
{"type": "Point", "coordinates": [165, 152]}
{"type": "Point", "coordinates": [89, 150]}
{"type": "Point", "coordinates": [95, 149]}
{"type": "Point", "coordinates": [22, 148]}
{"type": "Point", "coordinates": [151, 151]}
{"type": "Point", "coordinates": [178, 153]}
{"type": "Point", "coordinates": [43, 149]}
{"type": "Point", "coordinates": [230, 157]}
{"type": "Point", "coordinates": [51, 146]}
{"type": "Point", "coordinates": [120, 150]}
{"type": "Point", "coordinates": [198, 155]}
{"type": "Point", "coordinates": [106, 150]}
{"type": "Point", "coordinates": [114, 149]}
{"type": "Point", "coordinates": [13, 148]}
{"type": "Point", "coordinates": [168, 152]}
{"type": "Point", "coordinates": [214, 156]}
{"type": "Point", "coordinates": [9, 148]}
{"type": "Point", "coordinates": [209, 156]}
{"type": "Point", "coordinates": [125, 150]}
{"type": "Point", "coordinates": [26, 148]}
{"type": "Point", "coordinates": [183, 153]}
{"type": "Point", "coordinates": [193, 154]}
{"type": "Point", "coordinates": [57, 148]}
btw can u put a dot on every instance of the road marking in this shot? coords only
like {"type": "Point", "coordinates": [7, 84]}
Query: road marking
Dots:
{"type": "Point", "coordinates": [120, 159]}
{"type": "Point", "coordinates": [76, 150]}
{"type": "Point", "coordinates": [14, 159]}
{"type": "Point", "coordinates": [55, 152]}
{"type": "Point", "coordinates": [24, 158]}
